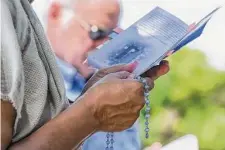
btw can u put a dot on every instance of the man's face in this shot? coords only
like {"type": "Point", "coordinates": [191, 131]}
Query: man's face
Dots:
{"type": "Point", "coordinates": [102, 13]}
{"type": "Point", "coordinates": [70, 40]}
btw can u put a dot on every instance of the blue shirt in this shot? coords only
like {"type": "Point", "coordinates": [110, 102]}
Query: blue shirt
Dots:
{"type": "Point", "coordinates": [125, 140]}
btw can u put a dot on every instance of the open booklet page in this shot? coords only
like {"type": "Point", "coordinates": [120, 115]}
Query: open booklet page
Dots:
{"type": "Point", "coordinates": [195, 32]}
{"type": "Point", "coordinates": [147, 41]}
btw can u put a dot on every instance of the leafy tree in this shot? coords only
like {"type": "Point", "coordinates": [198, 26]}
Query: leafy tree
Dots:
{"type": "Point", "coordinates": [189, 99]}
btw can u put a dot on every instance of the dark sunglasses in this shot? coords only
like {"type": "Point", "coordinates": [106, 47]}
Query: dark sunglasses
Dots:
{"type": "Point", "coordinates": [97, 33]}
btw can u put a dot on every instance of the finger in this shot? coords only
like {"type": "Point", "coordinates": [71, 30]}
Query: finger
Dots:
{"type": "Point", "coordinates": [158, 71]}
{"type": "Point", "coordinates": [152, 73]}
{"type": "Point", "coordinates": [164, 67]}
{"type": "Point", "coordinates": [191, 27]}
{"type": "Point", "coordinates": [155, 146]}
{"type": "Point", "coordinates": [129, 68]}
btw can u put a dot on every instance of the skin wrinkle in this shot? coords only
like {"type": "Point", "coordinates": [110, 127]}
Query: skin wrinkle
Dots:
{"type": "Point", "coordinates": [139, 92]}
{"type": "Point", "coordinates": [117, 115]}
{"type": "Point", "coordinates": [122, 122]}
{"type": "Point", "coordinates": [111, 105]}
{"type": "Point", "coordinates": [129, 95]}
{"type": "Point", "coordinates": [121, 107]}
{"type": "Point", "coordinates": [111, 110]}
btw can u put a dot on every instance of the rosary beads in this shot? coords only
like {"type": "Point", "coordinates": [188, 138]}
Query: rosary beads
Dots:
{"type": "Point", "coordinates": [109, 135]}
{"type": "Point", "coordinates": [147, 104]}
{"type": "Point", "coordinates": [109, 141]}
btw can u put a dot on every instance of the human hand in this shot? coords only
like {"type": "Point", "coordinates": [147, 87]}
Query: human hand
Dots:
{"type": "Point", "coordinates": [157, 71]}
{"type": "Point", "coordinates": [115, 101]}
{"type": "Point", "coordinates": [152, 73]}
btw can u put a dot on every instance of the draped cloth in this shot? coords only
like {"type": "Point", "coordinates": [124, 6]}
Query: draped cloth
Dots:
{"type": "Point", "coordinates": [30, 78]}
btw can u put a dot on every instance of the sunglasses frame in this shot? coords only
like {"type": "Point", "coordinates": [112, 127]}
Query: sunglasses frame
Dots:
{"type": "Point", "coordinates": [95, 32]}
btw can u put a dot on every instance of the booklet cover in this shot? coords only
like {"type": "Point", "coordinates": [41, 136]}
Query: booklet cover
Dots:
{"type": "Point", "coordinates": [147, 41]}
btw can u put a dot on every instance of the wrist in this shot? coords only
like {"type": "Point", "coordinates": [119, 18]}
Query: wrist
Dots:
{"type": "Point", "coordinates": [88, 107]}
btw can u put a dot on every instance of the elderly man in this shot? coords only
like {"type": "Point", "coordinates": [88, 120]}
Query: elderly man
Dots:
{"type": "Point", "coordinates": [57, 31]}
{"type": "Point", "coordinates": [69, 24]}
{"type": "Point", "coordinates": [35, 113]}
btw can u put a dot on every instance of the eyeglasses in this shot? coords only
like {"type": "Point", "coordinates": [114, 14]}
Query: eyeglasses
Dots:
{"type": "Point", "coordinates": [95, 32]}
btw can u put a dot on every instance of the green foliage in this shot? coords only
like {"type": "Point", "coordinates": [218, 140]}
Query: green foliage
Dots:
{"type": "Point", "coordinates": [189, 99]}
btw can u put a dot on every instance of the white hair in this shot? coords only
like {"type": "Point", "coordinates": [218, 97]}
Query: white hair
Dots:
{"type": "Point", "coordinates": [41, 8]}
{"type": "Point", "coordinates": [66, 3]}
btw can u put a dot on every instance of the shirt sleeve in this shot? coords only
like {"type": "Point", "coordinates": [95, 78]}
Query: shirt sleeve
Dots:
{"type": "Point", "coordinates": [12, 77]}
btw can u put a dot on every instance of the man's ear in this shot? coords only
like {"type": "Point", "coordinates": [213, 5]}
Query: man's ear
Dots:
{"type": "Point", "coordinates": [54, 13]}
{"type": "Point", "coordinates": [53, 27]}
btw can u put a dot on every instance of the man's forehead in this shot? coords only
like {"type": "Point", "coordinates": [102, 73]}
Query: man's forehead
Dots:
{"type": "Point", "coordinates": [107, 5]}
{"type": "Point", "coordinates": [100, 11]}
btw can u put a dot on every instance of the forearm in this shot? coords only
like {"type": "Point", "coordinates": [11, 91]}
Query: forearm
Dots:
{"type": "Point", "coordinates": [66, 131]}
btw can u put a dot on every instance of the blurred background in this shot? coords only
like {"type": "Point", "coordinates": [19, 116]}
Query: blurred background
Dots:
{"type": "Point", "coordinates": [190, 99]}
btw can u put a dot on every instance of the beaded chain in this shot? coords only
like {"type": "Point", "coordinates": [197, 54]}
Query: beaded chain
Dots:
{"type": "Point", "coordinates": [109, 141]}
{"type": "Point", "coordinates": [109, 135]}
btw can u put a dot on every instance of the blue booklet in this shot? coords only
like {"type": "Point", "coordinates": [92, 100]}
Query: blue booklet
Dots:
{"type": "Point", "coordinates": [148, 41]}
